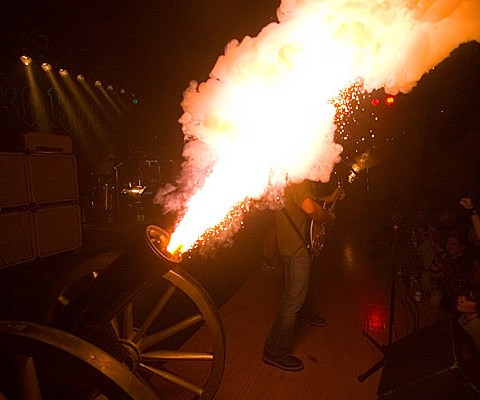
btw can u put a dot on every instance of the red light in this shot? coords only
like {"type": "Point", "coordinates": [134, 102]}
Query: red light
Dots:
{"type": "Point", "coordinates": [375, 322]}
{"type": "Point", "coordinates": [375, 102]}
{"type": "Point", "coordinates": [389, 100]}
{"type": "Point", "coordinates": [375, 318]}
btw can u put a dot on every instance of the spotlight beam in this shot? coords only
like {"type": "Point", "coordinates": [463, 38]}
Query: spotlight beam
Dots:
{"type": "Point", "coordinates": [89, 112]}
{"type": "Point", "coordinates": [109, 99]}
{"type": "Point", "coordinates": [36, 98]}
{"type": "Point", "coordinates": [67, 105]}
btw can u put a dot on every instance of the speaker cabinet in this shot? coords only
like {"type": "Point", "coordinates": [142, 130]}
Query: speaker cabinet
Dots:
{"type": "Point", "coordinates": [47, 143]}
{"type": "Point", "coordinates": [437, 363]}
{"type": "Point", "coordinates": [57, 229]}
{"type": "Point", "coordinates": [53, 178]}
{"type": "Point", "coordinates": [14, 188]}
{"type": "Point", "coordinates": [38, 211]}
{"type": "Point", "coordinates": [17, 240]}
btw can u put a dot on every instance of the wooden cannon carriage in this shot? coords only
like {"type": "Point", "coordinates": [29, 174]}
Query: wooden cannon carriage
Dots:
{"type": "Point", "coordinates": [117, 326]}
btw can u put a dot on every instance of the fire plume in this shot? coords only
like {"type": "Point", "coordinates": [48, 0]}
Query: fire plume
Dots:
{"type": "Point", "coordinates": [265, 116]}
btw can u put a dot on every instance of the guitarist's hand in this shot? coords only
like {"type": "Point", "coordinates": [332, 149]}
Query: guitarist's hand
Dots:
{"type": "Point", "coordinates": [330, 218]}
{"type": "Point", "coordinates": [324, 216]}
{"type": "Point", "coordinates": [337, 194]}
{"type": "Point", "coordinates": [316, 212]}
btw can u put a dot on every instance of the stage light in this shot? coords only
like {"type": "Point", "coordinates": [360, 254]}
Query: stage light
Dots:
{"type": "Point", "coordinates": [26, 60]}
{"type": "Point", "coordinates": [46, 67]}
{"type": "Point", "coordinates": [389, 100]}
{"type": "Point", "coordinates": [110, 88]}
{"type": "Point", "coordinates": [63, 73]}
{"type": "Point", "coordinates": [375, 102]}
{"type": "Point", "coordinates": [98, 84]}
{"type": "Point", "coordinates": [376, 318]}
{"type": "Point", "coordinates": [80, 78]}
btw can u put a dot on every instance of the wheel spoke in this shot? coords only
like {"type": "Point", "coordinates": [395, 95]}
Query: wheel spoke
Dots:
{"type": "Point", "coordinates": [27, 377]}
{"type": "Point", "coordinates": [151, 340]}
{"type": "Point", "coordinates": [63, 300]}
{"type": "Point", "coordinates": [163, 355]}
{"type": "Point", "coordinates": [136, 336]}
{"type": "Point", "coordinates": [128, 323]}
{"type": "Point", "coordinates": [175, 379]}
{"type": "Point", "coordinates": [123, 324]}
{"type": "Point", "coordinates": [116, 327]}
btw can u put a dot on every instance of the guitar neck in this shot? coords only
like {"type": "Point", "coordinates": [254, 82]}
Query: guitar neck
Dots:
{"type": "Point", "coordinates": [335, 199]}
{"type": "Point", "coordinates": [334, 202]}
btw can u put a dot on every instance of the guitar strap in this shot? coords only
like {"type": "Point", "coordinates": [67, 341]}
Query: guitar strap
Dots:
{"type": "Point", "coordinates": [302, 237]}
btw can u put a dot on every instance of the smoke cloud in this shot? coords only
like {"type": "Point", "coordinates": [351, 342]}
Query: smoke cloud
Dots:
{"type": "Point", "coordinates": [393, 42]}
{"type": "Point", "coordinates": [265, 115]}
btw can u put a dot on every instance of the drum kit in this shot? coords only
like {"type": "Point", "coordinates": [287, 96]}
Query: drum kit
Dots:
{"type": "Point", "coordinates": [113, 194]}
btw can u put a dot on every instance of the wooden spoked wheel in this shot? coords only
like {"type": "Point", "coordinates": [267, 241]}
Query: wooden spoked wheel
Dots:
{"type": "Point", "coordinates": [150, 312]}
{"type": "Point", "coordinates": [156, 329]}
{"type": "Point", "coordinates": [44, 363]}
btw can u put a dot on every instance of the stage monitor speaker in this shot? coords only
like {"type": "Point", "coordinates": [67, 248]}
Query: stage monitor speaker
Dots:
{"type": "Point", "coordinates": [16, 238]}
{"type": "Point", "coordinates": [57, 229]}
{"type": "Point", "coordinates": [53, 178]}
{"type": "Point", "coordinates": [437, 363]}
{"type": "Point", "coordinates": [14, 188]}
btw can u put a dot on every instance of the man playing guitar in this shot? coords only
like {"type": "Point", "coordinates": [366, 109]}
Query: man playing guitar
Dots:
{"type": "Point", "coordinates": [303, 202]}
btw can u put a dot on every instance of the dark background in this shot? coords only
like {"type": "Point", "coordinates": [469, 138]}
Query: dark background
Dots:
{"type": "Point", "coordinates": [425, 144]}
{"type": "Point", "coordinates": [152, 49]}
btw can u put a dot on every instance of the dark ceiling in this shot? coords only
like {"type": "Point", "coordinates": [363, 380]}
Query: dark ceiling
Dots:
{"type": "Point", "coordinates": [153, 48]}
{"type": "Point", "coordinates": [150, 48]}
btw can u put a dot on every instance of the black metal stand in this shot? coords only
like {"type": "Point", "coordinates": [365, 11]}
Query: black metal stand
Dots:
{"type": "Point", "coordinates": [384, 348]}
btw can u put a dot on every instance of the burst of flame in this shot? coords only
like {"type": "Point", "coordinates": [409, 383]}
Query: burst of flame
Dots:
{"type": "Point", "coordinates": [266, 115]}
{"type": "Point", "coordinates": [363, 161]}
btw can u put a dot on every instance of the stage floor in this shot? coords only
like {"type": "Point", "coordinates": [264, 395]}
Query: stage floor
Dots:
{"type": "Point", "coordinates": [353, 277]}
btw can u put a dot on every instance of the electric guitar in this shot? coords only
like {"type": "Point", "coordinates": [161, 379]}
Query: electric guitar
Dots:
{"type": "Point", "coordinates": [317, 230]}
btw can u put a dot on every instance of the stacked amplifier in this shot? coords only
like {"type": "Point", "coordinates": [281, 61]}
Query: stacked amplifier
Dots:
{"type": "Point", "coordinates": [39, 211]}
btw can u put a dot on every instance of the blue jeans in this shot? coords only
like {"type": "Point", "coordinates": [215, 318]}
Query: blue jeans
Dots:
{"type": "Point", "coordinates": [280, 338]}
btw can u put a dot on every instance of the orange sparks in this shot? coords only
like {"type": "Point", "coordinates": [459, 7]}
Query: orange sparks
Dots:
{"type": "Point", "coordinates": [267, 115]}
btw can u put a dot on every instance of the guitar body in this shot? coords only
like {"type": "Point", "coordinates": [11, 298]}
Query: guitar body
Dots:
{"type": "Point", "coordinates": [317, 233]}
{"type": "Point", "coordinates": [317, 230]}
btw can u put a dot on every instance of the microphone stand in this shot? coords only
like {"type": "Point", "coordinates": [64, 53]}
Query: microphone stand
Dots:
{"type": "Point", "coordinates": [393, 281]}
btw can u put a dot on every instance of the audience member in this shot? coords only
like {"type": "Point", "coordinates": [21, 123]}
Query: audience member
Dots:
{"type": "Point", "coordinates": [467, 306]}
{"type": "Point", "coordinates": [467, 203]}
{"type": "Point", "coordinates": [455, 271]}
{"type": "Point", "coordinates": [446, 218]}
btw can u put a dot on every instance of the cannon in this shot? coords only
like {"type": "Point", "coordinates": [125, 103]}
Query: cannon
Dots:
{"type": "Point", "coordinates": [117, 326]}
